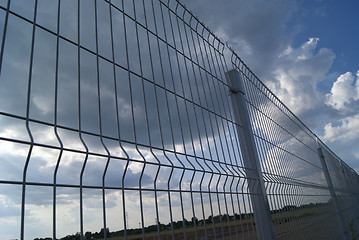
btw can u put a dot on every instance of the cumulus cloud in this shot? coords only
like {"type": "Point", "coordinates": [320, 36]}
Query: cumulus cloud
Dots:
{"type": "Point", "coordinates": [342, 137]}
{"type": "Point", "coordinates": [297, 74]}
{"type": "Point", "coordinates": [344, 92]}
{"type": "Point", "coordinates": [346, 131]}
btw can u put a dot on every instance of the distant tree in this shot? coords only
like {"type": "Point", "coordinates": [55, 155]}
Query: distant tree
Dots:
{"type": "Point", "coordinates": [88, 235]}
{"type": "Point", "coordinates": [102, 233]}
{"type": "Point", "coordinates": [194, 220]}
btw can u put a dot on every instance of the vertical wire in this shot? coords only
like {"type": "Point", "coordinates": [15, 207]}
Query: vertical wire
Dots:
{"type": "Point", "coordinates": [55, 121]}
{"type": "Point", "coordinates": [158, 116]}
{"type": "Point", "coordinates": [148, 131]}
{"type": "Point", "coordinates": [231, 138]}
{"type": "Point", "coordinates": [22, 226]}
{"type": "Point", "coordinates": [289, 206]}
{"type": "Point", "coordinates": [274, 193]}
{"type": "Point", "coordinates": [292, 209]}
{"type": "Point", "coordinates": [204, 122]}
{"type": "Point", "coordinates": [240, 158]}
{"type": "Point", "coordinates": [224, 68]}
{"type": "Point", "coordinates": [262, 119]}
{"type": "Point", "coordinates": [267, 124]}
{"type": "Point", "coordinates": [212, 130]}
{"type": "Point", "coordinates": [286, 163]}
{"type": "Point", "coordinates": [283, 161]}
{"type": "Point", "coordinates": [4, 34]}
{"type": "Point", "coordinates": [159, 162]}
{"type": "Point", "coordinates": [133, 117]}
{"type": "Point", "coordinates": [223, 127]}
{"type": "Point", "coordinates": [250, 181]}
{"type": "Point", "coordinates": [181, 129]}
{"type": "Point", "coordinates": [209, 148]}
{"type": "Point", "coordinates": [79, 119]}
{"type": "Point", "coordinates": [289, 196]}
{"type": "Point", "coordinates": [230, 113]}
{"type": "Point", "coordinates": [259, 117]}
{"type": "Point", "coordinates": [299, 208]}
{"type": "Point", "coordinates": [231, 169]}
{"type": "Point", "coordinates": [117, 115]}
{"type": "Point", "coordinates": [246, 214]}
{"type": "Point", "coordinates": [256, 103]}
{"type": "Point", "coordinates": [168, 111]}
{"type": "Point", "coordinates": [28, 128]}
{"type": "Point", "coordinates": [237, 194]}
{"type": "Point", "coordinates": [281, 201]}
{"type": "Point", "coordinates": [191, 136]}
{"type": "Point", "coordinates": [278, 134]}
{"type": "Point", "coordinates": [125, 216]}
{"type": "Point", "coordinates": [204, 171]}
{"type": "Point", "coordinates": [100, 124]}
{"type": "Point", "coordinates": [216, 122]}
{"type": "Point", "coordinates": [210, 119]}
{"type": "Point", "coordinates": [190, 131]}
{"type": "Point", "coordinates": [171, 129]}
{"type": "Point", "coordinates": [195, 80]}
{"type": "Point", "coordinates": [181, 41]}
{"type": "Point", "coordinates": [295, 209]}
{"type": "Point", "coordinates": [238, 179]}
{"type": "Point", "coordinates": [144, 159]}
{"type": "Point", "coordinates": [191, 183]}
{"type": "Point", "coordinates": [271, 204]}
{"type": "Point", "coordinates": [250, 208]}
{"type": "Point", "coordinates": [276, 205]}
{"type": "Point", "coordinates": [285, 207]}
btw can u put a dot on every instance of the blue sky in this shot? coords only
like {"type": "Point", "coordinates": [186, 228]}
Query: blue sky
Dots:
{"type": "Point", "coordinates": [333, 22]}
{"type": "Point", "coordinates": [306, 52]}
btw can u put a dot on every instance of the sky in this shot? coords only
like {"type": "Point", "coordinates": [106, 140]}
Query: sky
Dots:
{"type": "Point", "coordinates": [306, 52]}
{"type": "Point", "coordinates": [288, 44]}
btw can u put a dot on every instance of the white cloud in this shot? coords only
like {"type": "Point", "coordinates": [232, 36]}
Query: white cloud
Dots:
{"type": "Point", "coordinates": [344, 91]}
{"type": "Point", "coordinates": [347, 130]}
{"type": "Point", "coordinates": [297, 73]}
{"type": "Point", "coordinates": [343, 138]}
{"type": "Point", "coordinates": [305, 51]}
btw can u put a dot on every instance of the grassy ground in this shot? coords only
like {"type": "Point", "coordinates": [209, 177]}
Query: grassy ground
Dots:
{"type": "Point", "coordinates": [302, 223]}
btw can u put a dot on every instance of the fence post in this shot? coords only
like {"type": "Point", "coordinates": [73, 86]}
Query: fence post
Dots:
{"type": "Point", "coordinates": [333, 195]}
{"type": "Point", "coordinates": [261, 210]}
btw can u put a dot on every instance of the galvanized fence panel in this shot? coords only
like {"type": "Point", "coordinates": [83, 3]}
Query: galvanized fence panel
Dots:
{"type": "Point", "coordinates": [117, 122]}
{"type": "Point", "coordinates": [346, 191]}
{"type": "Point", "coordinates": [296, 188]}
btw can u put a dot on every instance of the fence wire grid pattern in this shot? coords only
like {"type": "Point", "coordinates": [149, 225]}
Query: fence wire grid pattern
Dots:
{"type": "Point", "coordinates": [117, 122]}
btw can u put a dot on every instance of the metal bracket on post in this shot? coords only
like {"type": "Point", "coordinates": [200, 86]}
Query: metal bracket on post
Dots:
{"type": "Point", "coordinates": [334, 198]}
{"type": "Point", "coordinates": [262, 215]}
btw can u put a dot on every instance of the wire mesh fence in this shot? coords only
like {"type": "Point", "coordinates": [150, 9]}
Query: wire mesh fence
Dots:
{"type": "Point", "coordinates": [118, 122]}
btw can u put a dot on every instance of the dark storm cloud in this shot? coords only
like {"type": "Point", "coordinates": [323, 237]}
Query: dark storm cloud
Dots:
{"type": "Point", "coordinates": [88, 89]}
{"type": "Point", "coordinates": [253, 28]}
{"type": "Point", "coordinates": [96, 74]}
